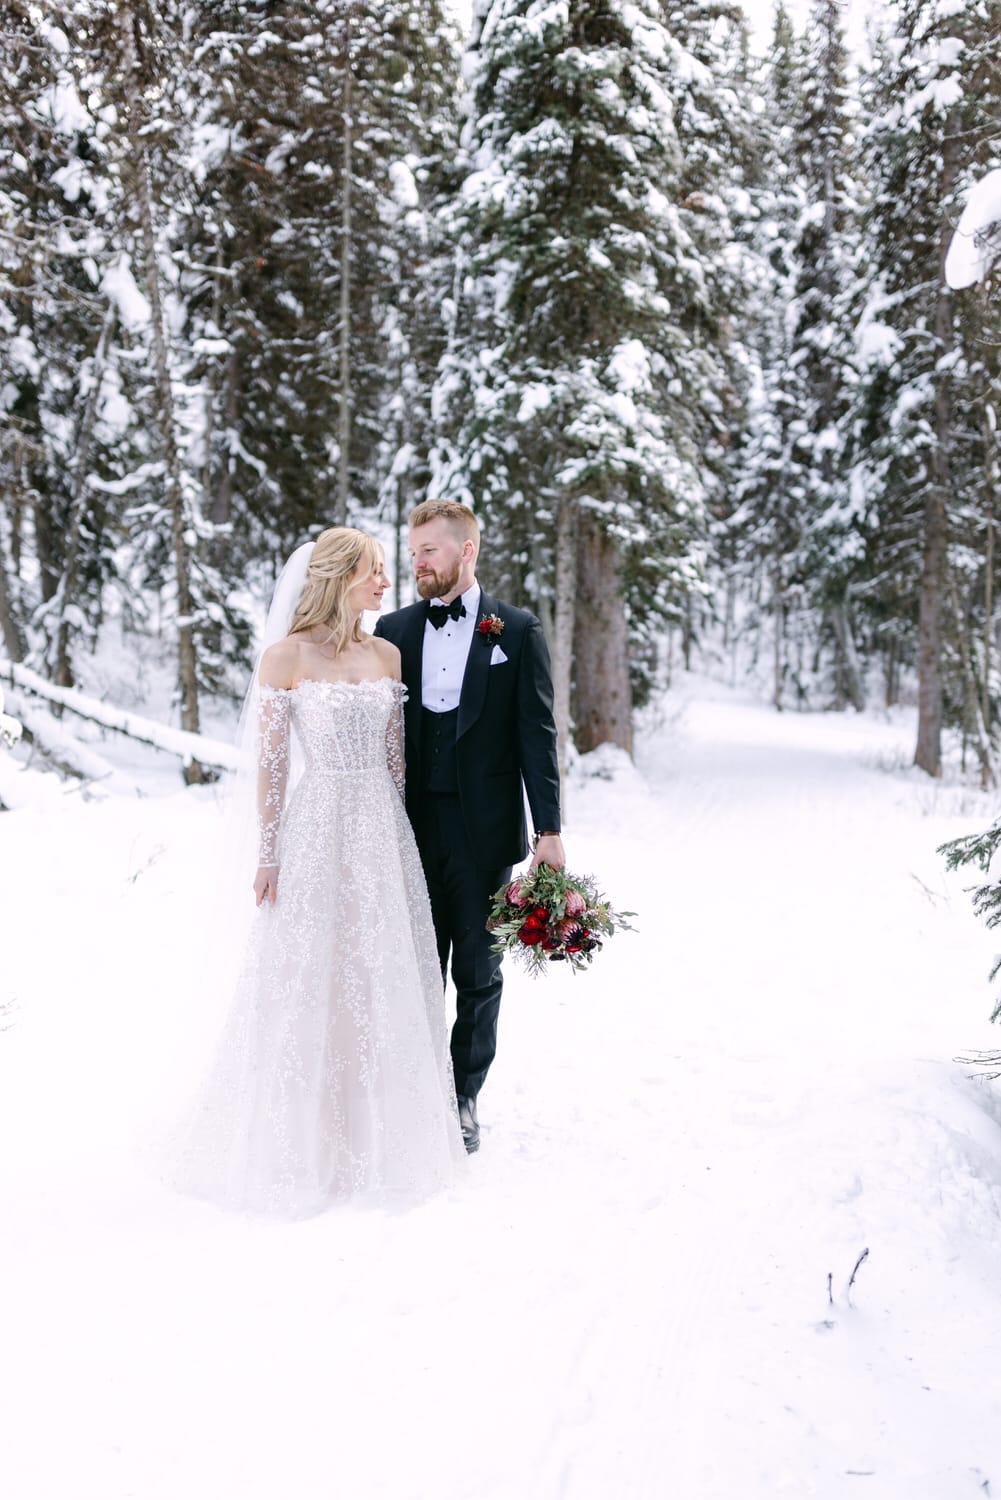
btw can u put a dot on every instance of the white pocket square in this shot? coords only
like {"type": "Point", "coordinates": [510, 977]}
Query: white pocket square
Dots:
{"type": "Point", "coordinates": [497, 656]}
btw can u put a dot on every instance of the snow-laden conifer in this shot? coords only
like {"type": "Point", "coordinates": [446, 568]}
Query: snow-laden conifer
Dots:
{"type": "Point", "coordinates": [923, 465]}
{"type": "Point", "coordinates": [317, 133]}
{"type": "Point", "coordinates": [59, 413]}
{"type": "Point", "coordinates": [583, 394]}
{"type": "Point", "coordinates": [790, 532]}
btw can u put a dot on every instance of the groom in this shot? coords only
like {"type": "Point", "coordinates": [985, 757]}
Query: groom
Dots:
{"type": "Point", "coordinates": [479, 725]}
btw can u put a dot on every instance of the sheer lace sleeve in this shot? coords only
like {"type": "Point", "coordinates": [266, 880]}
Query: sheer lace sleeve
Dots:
{"type": "Point", "coordinates": [272, 770]}
{"type": "Point", "coordinates": [395, 758]}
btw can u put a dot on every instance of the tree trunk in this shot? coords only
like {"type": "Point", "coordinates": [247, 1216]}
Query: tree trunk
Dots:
{"type": "Point", "coordinates": [890, 694]}
{"type": "Point", "coordinates": [187, 664]}
{"type": "Point", "coordinates": [45, 529]}
{"type": "Point", "coordinates": [222, 492]}
{"type": "Point", "coordinates": [973, 727]}
{"type": "Point", "coordinates": [542, 605]}
{"type": "Point", "coordinates": [10, 626]}
{"type": "Point", "coordinates": [851, 677]}
{"type": "Point", "coordinates": [779, 633]}
{"type": "Point", "coordinates": [601, 643]}
{"type": "Point", "coordinates": [344, 416]}
{"type": "Point", "coordinates": [928, 751]}
{"type": "Point", "coordinates": [222, 499]}
{"type": "Point", "coordinates": [934, 564]}
{"type": "Point", "coordinates": [62, 674]}
{"type": "Point", "coordinates": [563, 627]}
{"type": "Point", "coordinates": [989, 475]}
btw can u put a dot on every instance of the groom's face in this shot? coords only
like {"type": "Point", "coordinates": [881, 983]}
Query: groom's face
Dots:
{"type": "Point", "coordinates": [436, 553]}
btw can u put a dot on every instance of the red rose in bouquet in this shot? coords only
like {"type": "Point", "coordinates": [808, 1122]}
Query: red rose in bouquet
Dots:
{"type": "Point", "coordinates": [531, 934]}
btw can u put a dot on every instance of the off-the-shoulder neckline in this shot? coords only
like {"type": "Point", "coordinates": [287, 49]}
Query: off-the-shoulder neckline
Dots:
{"type": "Point", "coordinates": [330, 682]}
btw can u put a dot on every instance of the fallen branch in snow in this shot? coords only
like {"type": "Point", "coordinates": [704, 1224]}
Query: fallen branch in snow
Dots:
{"type": "Point", "coordinates": [60, 748]}
{"type": "Point", "coordinates": [982, 1060]}
{"type": "Point", "coordinates": [188, 747]}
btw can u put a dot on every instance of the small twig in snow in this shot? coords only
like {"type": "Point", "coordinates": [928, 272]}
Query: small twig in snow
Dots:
{"type": "Point", "coordinates": [933, 896]}
{"type": "Point", "coordinates": [851, 1280]}
{"type": "Point", "coordinates": [141, 869]}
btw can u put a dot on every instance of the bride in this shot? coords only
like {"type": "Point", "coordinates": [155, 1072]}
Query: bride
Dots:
{"type": "Point", "coordinates": [333, 1080]}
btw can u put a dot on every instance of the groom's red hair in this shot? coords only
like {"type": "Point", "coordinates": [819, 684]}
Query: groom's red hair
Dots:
{"type": "Point", "coordinates": [459, 517]}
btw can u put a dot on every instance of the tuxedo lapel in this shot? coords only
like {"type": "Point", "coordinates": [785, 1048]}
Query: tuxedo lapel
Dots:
{"type": "Point", "coordinates": [412, 651]}
{"type": "Point", "coordinates": [411, 643]}
{"type": "Point", "coordinates": [474, 681]}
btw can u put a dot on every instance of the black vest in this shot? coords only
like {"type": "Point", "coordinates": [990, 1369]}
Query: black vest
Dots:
{"type": "Point", "coordinates": [438, 735]}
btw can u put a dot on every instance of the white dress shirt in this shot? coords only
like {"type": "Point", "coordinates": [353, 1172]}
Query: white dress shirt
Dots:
{"type": "Point", "coordinates": [445, 654]}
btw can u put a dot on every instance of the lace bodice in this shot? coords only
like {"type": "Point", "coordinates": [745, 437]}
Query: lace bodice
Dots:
{"type": "Point", "coordinates": [341, 728]}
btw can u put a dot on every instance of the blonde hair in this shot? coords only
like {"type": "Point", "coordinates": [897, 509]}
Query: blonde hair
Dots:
{"type": "Point", "coordinates": [459, 517]}
{"type": "Point", "coordinates": [338, 555]}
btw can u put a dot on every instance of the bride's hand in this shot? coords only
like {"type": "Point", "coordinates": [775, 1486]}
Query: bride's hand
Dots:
{"type": "Point", "coordinates": [266, 884]}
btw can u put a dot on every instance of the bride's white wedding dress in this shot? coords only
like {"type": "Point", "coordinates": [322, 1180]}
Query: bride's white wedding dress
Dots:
{"type": "Point", "coordinates": [333, 1079]}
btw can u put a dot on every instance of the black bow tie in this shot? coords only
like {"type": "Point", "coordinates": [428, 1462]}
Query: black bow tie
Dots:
{"type": "Point", "coordinates": [439, 613]}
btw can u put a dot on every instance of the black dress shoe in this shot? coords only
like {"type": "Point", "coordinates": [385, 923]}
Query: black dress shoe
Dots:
{"type": "Point", "coordinates": [470, 1124]}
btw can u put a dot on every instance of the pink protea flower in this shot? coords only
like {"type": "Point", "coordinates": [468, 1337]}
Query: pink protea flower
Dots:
{"type": "Point", "coordinates": [575, 904]}
{"type": "Point", "coordinates": [513, 895]}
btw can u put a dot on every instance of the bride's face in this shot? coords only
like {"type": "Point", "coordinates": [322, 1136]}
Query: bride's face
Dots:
{"type": "Point", "coordinates": [367, 587]}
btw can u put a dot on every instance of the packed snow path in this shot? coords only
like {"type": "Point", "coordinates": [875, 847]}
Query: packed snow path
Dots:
{"type": "Point", "coordinates": [628, 1299]}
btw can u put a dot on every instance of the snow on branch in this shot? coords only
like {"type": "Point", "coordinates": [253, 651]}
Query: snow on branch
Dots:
{"type": "Point", "coordinates": [976, 244]}
{"type": "Point", "coordinates": [188, 747]}
{"type": "Point", "coordinates": [10, 729]}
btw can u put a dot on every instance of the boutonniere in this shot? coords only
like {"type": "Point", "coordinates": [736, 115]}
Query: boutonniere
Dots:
{"type": "Point", "coordinates": [490, 628]}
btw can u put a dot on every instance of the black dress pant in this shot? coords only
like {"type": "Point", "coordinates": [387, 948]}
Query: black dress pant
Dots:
{"type": "Point", "coordinates": [461, 892]}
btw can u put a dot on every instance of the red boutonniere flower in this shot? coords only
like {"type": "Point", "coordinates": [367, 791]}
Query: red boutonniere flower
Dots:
{"type": "Point", "coordinates": [490, 628]}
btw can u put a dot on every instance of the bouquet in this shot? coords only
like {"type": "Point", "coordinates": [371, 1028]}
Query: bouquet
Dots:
{"type": "Point", "coordinates": [549, 915]}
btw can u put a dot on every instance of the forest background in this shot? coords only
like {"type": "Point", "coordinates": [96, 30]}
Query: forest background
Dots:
{"type": "Point", "coordinates": [665, 307]}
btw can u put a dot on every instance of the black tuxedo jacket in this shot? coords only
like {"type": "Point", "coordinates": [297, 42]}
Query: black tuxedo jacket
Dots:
{"type": "Point", "coordinates": [506, 734]}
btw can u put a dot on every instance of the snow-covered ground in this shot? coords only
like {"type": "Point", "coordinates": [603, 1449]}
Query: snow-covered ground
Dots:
{"type": "Point", "coordinates": [628, 1299]}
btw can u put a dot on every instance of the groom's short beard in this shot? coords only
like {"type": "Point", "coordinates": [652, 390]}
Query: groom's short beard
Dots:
{"type": "Point", "coordinates": [437, 585]}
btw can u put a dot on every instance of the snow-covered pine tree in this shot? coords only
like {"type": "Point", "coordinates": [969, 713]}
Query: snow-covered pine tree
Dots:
{"type": "Point", "coordinates": [580, 399]}
{"type": "Point", "coordinates": [315, 131]}
{"type": "Point", "coordinates": [412, 327]}
{"type": "Point", "coordinates": [758, 541]}
{"type": "Point", "coordinates": [143, 57]}
{"type": "Point", "coordinates": [57, 532]}
{"type": "Point", "coordinates": [790, 531]}
{"type": "Point", "coordinates": [186, 445]}
{"type": "Point", "coordinates": [827, 257]}
{"type": "Point", "coordinates": [935, 105]}
{"type": "Point", "coordinates": [718, 134]}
